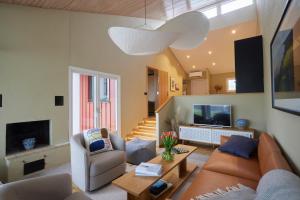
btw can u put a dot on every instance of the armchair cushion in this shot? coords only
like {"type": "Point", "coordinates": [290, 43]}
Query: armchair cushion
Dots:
{"type": "Point", "coordinates": [105, 161]}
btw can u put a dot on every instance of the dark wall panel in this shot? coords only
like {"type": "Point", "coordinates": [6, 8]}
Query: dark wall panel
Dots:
{"type": "Point", "coordinates": [249, 65]}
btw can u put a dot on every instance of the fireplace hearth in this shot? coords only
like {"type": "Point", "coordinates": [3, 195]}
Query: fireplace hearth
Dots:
{"type": "Point", "coordinates": [16, 133]}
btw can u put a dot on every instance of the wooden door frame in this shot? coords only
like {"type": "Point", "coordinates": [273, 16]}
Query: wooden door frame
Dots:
{"type": "Point", "coordinates": [147, 86]}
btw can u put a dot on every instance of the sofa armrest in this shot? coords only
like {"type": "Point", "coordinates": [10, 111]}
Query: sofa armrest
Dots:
{"type": "Point", "coordinates": [224, 139]}
{"type": "Point", "coordinates": [47, 188]}
{"type": "Point", "coordinates": [79, 163]}
{"type": "Point", "coordinates": [117, 142]}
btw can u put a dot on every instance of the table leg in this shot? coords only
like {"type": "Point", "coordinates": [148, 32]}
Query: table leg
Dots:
{"type": "Point", "coordinates": [143, 196]}
{"type": "Point", "coordinates": [182, 168]}
{"type": "Point", "coordinates": [130, 196]}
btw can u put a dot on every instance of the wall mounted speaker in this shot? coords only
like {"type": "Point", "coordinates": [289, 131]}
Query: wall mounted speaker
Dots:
{"type": "Point", "coordinates": [59, 100]}
{"type": "Point", "coordinates": [0, 100]}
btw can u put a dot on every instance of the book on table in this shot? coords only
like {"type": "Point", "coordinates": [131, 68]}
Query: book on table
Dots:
{"type": "Point", "coordinates": [148, 169]}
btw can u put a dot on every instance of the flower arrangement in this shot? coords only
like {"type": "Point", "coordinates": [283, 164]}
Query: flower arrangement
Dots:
{"type": "Point", "coordinates": [169, 139]}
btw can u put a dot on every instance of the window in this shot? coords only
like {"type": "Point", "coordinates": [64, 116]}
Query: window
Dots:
{"type": "Point", "coordinates": [210, 12]}
{"type": "Point", "coordinates": [104, 89]}
{"type": "Point", "coordinates": [90, 88]}
{"type": "Point", "coordinates": [231, 85]}
{"type": "Point", "coordinates": [235, 5]}
{"type": "Point", "coordinates": [95, 101]}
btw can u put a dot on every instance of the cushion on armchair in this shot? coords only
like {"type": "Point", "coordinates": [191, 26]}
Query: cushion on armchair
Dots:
{"type": "Point", "coordinates": [97, 142]}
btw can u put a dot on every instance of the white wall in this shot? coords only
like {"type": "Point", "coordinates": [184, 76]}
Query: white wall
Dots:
{"type": "Point", "coordinates": [284, 126]}
{"type": "Point", "coordinates": [37, 46]}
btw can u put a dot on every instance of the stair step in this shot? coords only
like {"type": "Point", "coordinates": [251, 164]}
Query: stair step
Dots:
{"type": "Point", "coordinates": [150, 131]}
{"type": "Point", "coordinates": [137, 133]}
{"type": "Point", "coordinates": [151, 125]}
{"type": "Point", "coordinates": [141, 137]}
{"type": "Point", "coordinates": [146, 121]}
{"type": "Point", "coordinates": [145, 130]}
{"type": "Point", "coordinates": [143, 127]}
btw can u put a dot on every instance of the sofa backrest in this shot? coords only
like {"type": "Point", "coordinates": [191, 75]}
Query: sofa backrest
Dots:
{"type": "Point", "coordinates": [269, 155]}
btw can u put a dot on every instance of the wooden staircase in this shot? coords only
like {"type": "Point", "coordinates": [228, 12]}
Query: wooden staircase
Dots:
{"type": "Point", "coordinates": [146, 130]}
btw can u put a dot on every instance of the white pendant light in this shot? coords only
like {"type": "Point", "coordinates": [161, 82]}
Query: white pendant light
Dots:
{"type": "Point", "coordinates": [192, 26]}
{"type": "Point", "coordinates": [185, 31]}
{"type": "Point", "coordinates": [141, 42]}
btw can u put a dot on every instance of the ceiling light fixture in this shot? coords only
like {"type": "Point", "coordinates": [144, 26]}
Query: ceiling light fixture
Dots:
{"type": "Point", "coordinates": [183, 32]}
{"type": "Point", "coordinates": [193, 66]}
{"type": "Point", "coordinates": [233, 31]}
{"type": "Point", "coordinates": [213, 63]}
{"type": "Point", "coordinates": [188, 56]}
{"type": "Point", "coordinates": [209, 52]}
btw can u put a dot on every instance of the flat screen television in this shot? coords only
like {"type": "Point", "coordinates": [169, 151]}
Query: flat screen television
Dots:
{"type": "Point", "coordinates": [214, 115]}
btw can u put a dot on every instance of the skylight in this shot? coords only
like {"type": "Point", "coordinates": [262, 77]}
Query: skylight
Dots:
{"type": "Point", "coordinates": [210, 12]}
{"type": "Point", "coordinates": [235, 5]}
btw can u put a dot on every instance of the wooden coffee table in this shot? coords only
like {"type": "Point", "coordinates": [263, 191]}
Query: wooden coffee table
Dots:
{"type": "Point", "coordinates": [175, 172]}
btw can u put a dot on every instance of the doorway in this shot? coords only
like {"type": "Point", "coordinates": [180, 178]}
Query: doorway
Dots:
{"type": "Point", "coordinates": [157, 82]}
{"type": "Point", "coordinates": [94, 100]}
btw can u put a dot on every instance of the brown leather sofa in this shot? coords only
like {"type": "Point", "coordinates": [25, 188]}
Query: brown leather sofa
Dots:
{"type": "Point", "coordinates": [223, 170]}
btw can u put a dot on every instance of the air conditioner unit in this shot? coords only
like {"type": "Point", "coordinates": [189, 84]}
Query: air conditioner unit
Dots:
{"type": "Point", "coordinates": [200, 74]}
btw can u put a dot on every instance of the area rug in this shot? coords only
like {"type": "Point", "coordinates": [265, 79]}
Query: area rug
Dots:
{"type": "Point", "coordinates": [112, 192]}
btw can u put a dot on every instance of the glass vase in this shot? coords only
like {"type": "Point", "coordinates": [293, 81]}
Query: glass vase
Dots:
{"type": "Point", "coordinates": [167, 154]}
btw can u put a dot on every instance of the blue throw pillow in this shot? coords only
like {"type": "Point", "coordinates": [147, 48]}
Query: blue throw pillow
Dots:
{"type": "Point", "coordinates": [239, 146]}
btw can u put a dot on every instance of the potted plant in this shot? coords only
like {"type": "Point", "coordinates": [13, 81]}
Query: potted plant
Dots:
{"type": "Point", "coordinates": [169, 139]}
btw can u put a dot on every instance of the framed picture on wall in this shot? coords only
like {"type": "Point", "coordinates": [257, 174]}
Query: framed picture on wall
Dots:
{"type": "Point", "coordinates": [285, 61]}
{"type": "Point", "coordinates": [172, 84]}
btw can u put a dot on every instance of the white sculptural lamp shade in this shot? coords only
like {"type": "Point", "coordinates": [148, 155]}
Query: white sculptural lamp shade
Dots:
{"type": "Point", "coordinates": [141, 42]}
{"type": "Point", "coordinates": [192, 26]}
{"type": "Point", "coordinates": [186, 31]}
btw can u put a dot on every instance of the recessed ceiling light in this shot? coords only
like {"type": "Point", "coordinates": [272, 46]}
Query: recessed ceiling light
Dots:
{"type": "Point", "coordinates": [188, 56]}
{"type": "Point", "coordinates": [193, 66]}
{"type": "Point", "coordinates": [213, 63]}
{"type": "Point", "coordinates": [205, 38]}
{"type": "Point", "coordinates": [233, 31]}
{"type": "Point", "coordinates": [209, 52]}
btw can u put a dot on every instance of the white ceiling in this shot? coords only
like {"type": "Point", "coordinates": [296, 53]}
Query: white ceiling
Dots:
{"type": "Point", "coordinates": [220, 41]}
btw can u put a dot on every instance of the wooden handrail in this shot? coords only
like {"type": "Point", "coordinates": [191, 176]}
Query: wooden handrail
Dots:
{"type": "Point", "coordinates": [164, 104]}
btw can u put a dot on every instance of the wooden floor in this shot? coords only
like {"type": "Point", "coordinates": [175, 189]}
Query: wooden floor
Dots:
{"type": "Point", "coordinates": [205, 149]}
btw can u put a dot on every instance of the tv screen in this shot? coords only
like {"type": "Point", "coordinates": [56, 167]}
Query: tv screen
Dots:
{"type": "Point", "coordinates": [218, 115]}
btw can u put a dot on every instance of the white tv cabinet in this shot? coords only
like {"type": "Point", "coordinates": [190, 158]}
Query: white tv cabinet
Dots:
{"type": "Point", "coordinates": [211, 135]}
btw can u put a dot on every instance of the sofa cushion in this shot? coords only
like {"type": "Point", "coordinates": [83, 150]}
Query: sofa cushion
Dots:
{"type": "Point", "coordinates": [279, 184]}
{"type": "Point", "coordinates": [208, 181]}
{"type": "Point", "coordinates": [233, 165]}
{"type": "Point", "coordinates": [239, 146]}
{"type": "Point", "coordinates": [269, 155]}
{"type": "Point", "coordinates": [105, 161]}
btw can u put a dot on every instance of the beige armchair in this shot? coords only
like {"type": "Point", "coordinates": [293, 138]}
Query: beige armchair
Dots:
{"type": "Point", "coordinates": [90, 172]}
{"type": "Point", "coordinates": [58, 187]}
